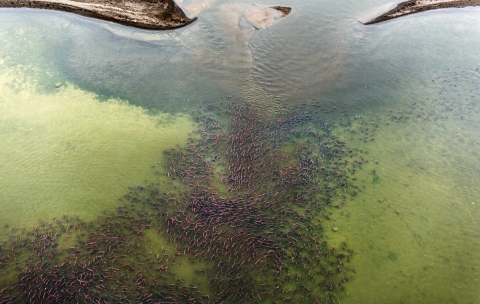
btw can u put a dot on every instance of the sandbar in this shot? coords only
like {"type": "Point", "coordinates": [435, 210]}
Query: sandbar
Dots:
{"type": "Point", "coordinates": [145, 14]}
{"type": "Point", "coordinates": [417, 6]}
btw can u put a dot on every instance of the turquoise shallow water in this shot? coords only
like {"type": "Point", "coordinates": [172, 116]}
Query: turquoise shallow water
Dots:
{"type": "Point", "coordinates": [127, 95]}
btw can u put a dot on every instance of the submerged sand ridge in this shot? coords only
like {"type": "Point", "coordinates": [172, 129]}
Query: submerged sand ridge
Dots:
{"type": "Point", "coordinates": [147, 14]}
{"type": "Point", "coordinates": [417, 6]}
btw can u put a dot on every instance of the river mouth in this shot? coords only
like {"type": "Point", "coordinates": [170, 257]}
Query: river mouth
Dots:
{"type": "Point", "coordinates": [151, 156]}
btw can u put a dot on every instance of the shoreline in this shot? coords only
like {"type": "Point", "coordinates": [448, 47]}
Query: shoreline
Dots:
{"type": "Point", "coordinates": [418, 6]}
{"type": "Point", "coordinates": [144, 14]}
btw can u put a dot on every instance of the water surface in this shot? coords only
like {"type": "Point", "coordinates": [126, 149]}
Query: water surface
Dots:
{"type": "Point", "coordinates": [127, 95]}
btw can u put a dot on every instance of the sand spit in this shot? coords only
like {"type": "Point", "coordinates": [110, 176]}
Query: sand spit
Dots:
{"type": "Point", "coordinates": [146, 14]}
{"type": "Point", "coordinates": [264, 17]}
{"type": "Point", "coordinates": [417, 6]}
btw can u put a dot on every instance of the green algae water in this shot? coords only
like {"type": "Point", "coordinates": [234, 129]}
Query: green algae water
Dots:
{"type": "Point", "coordinates": [55, 142]}
{"type": "Point", "coordinates": [89, 107]}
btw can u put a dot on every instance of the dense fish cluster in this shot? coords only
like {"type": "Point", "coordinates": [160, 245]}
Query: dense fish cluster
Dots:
{"type": "Point", "coordinates": [237, 204]}
{"type": "Point", "coordinates": [235, 216]}
{"type": "Point", "coordinates": [257, 185]}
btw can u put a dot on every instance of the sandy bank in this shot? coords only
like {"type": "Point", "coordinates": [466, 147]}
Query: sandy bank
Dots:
{"type": "Point", "coordinates": [417, 6]}
{"type": "Point", "coordinates": [146, 14]}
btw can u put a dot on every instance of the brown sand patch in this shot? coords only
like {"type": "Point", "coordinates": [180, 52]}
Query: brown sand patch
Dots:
{"type": "Point", "coordinates": [285, 10]}
{"type": "Point", "coordinates": [264, 17]}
